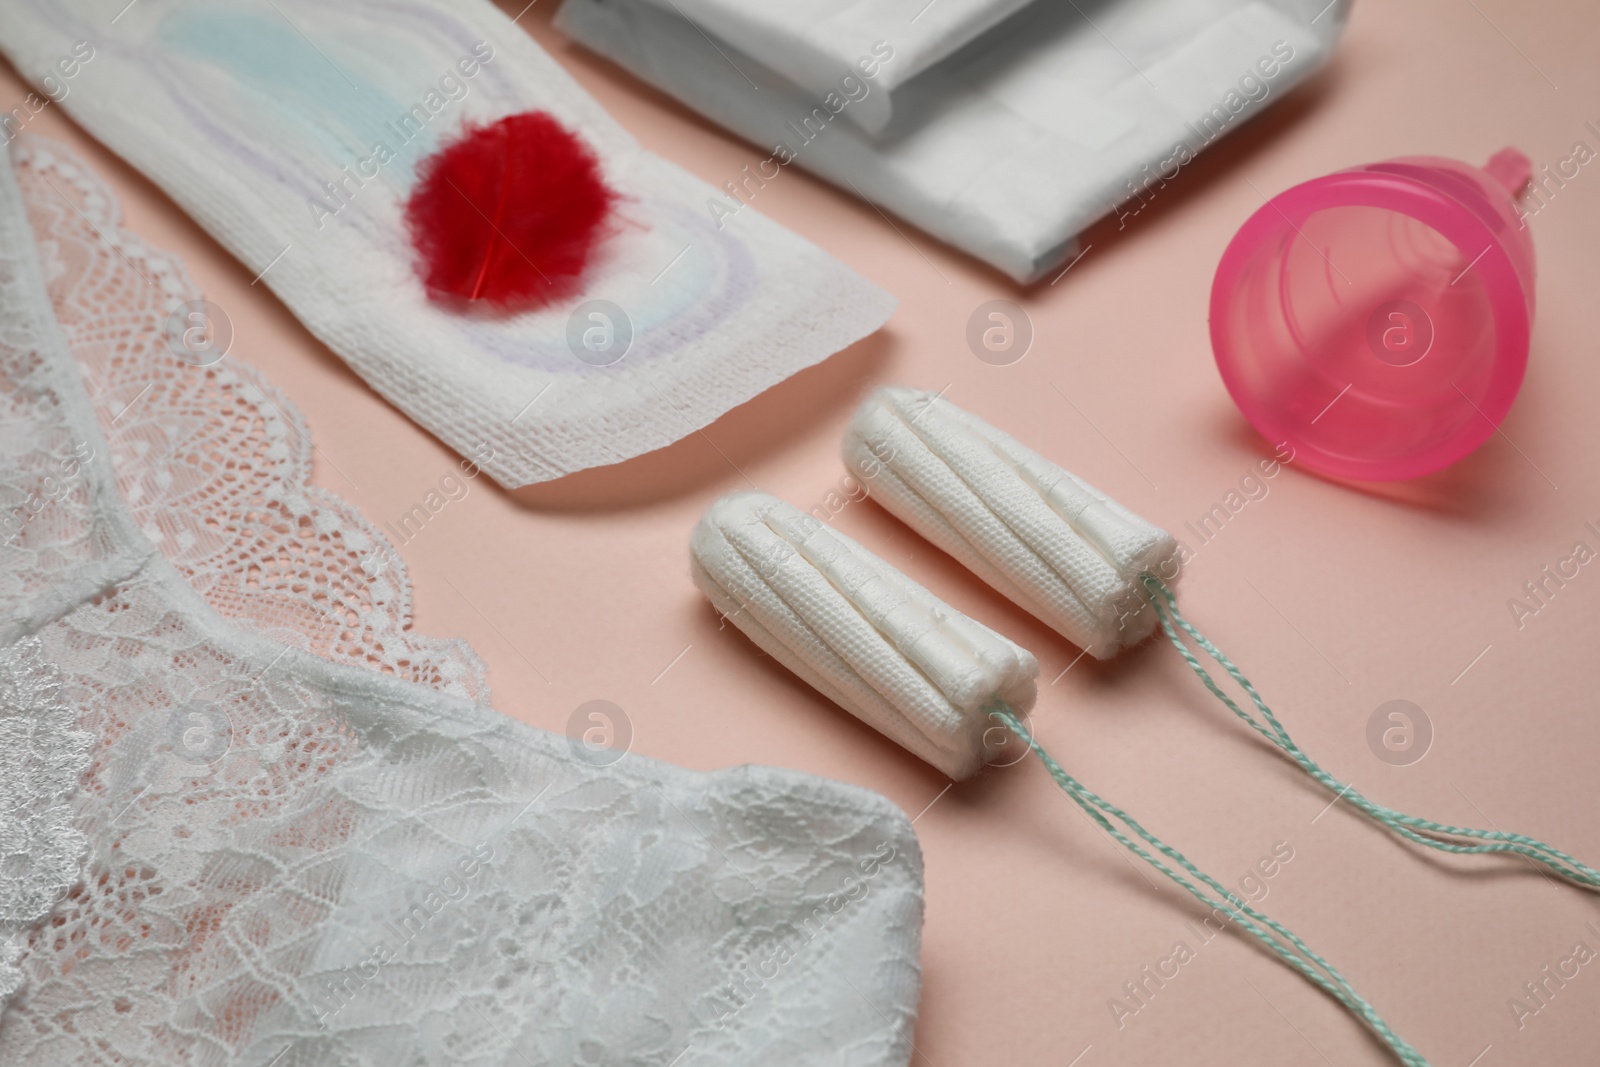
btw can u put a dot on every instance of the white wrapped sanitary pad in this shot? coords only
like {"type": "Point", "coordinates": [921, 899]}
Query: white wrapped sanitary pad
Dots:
{"type": "Point", "coordinates": [813, 43]}
{"type": "Point", "coordinates": [863, 634]}
{"type": "Point", "coordinates": [1014, 141]}
{"type": "Point", "coordinates": [292, 129]}
{"type": "Point", "coordinates": [1051, 542]}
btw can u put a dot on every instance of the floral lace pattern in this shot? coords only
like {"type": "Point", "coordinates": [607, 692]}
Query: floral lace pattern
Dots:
{"type": "Point", "coordinates": [213, 462]}
{"type": "Point", "coordinates": [42, 753]}
{"type": "Point", "coordinates": [294, 861]}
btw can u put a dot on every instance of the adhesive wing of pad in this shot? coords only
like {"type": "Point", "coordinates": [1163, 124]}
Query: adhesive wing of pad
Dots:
{"type": "Point", "coordinates": [864, 635]}
{"type": "Point", "coordinates": [294, 131]}
{"type": "Point", "coordinates": [1051, 542]}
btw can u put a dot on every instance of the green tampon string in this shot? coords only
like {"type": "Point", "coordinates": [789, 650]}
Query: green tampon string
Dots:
{"type": "Point", "coordinates": [1445, 838]}
{"type": "Point", "coordinates": [1282, 941]}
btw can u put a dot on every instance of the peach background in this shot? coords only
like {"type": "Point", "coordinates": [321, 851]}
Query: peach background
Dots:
{"type": "Point", "coordinates": [1335, 599]}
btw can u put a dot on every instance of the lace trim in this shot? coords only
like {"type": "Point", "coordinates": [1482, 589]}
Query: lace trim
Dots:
{"type": "Point", "coordinates": [213, 461]}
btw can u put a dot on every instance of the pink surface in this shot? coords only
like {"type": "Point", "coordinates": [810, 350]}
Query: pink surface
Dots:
{"type": "Point", "coordinates": [1334, 599]}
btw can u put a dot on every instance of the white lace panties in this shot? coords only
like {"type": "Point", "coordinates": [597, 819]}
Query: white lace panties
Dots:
{"type": "Point", "coordinates": [287, 859]}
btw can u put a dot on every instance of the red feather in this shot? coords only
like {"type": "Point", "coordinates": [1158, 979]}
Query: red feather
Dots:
{"type": "Point", "coordinates": [510, 213]}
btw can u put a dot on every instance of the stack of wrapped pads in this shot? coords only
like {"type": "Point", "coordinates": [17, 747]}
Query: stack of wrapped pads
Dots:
{"type": "Point", "coordinates": [1004, 127]}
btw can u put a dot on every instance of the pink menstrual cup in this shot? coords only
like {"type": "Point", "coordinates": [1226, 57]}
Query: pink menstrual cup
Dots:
{"type": "Point", "coordinates": [1377, 319]}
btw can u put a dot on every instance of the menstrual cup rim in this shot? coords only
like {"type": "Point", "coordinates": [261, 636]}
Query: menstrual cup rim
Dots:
{"type": "Point", "coordinates": [1457, 223]}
